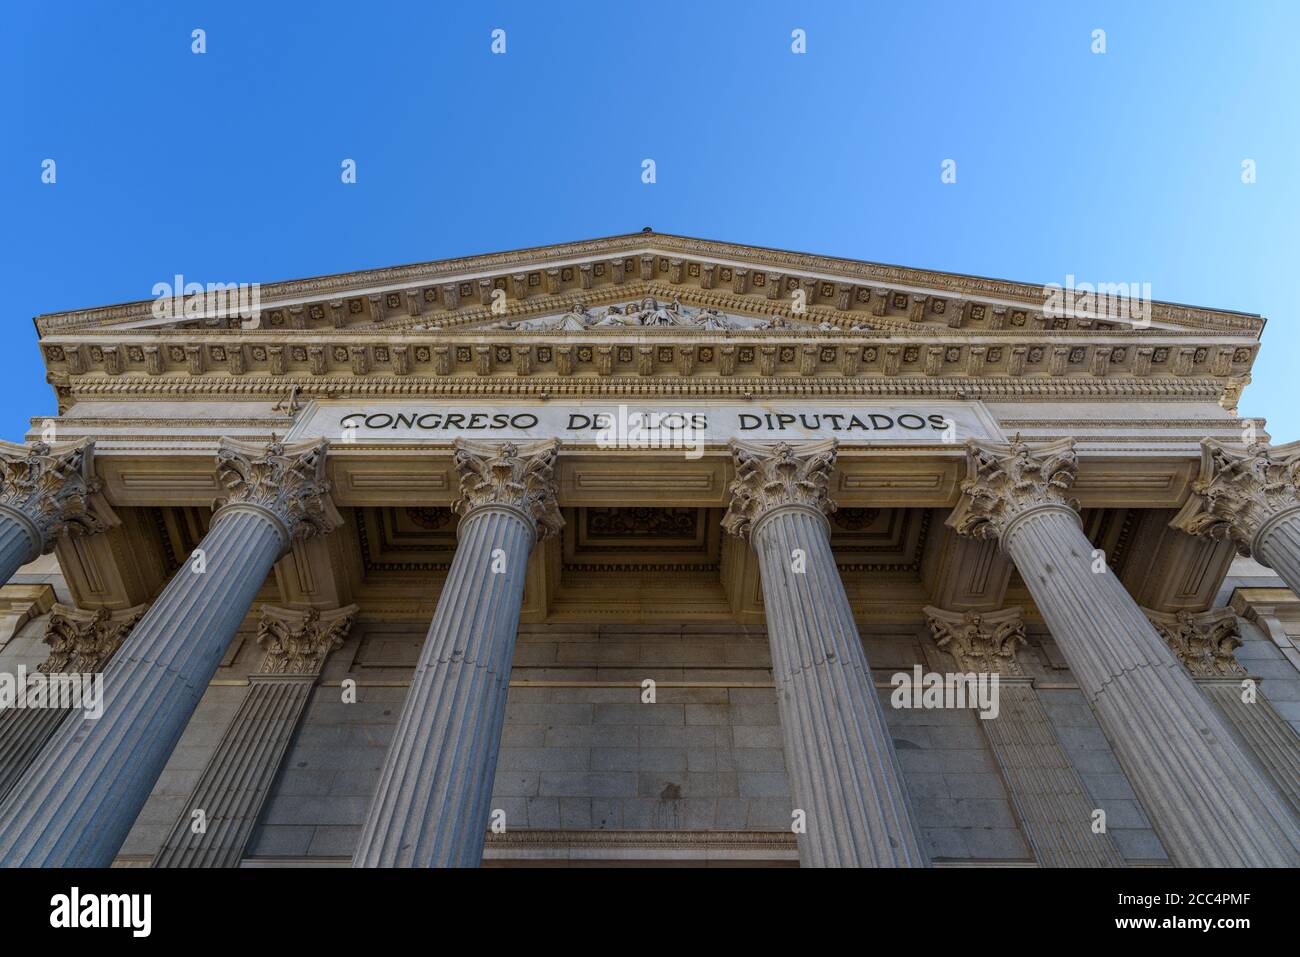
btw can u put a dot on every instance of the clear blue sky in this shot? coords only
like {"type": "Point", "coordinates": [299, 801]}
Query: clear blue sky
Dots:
{"type": "Point", "coordinates": [1124, 166]}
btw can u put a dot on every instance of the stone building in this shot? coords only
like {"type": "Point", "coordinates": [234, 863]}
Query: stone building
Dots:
{"type": "Point", "coordinates": [658, 550]}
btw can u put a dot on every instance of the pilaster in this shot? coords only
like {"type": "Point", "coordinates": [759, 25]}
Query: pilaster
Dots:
{"type": "Point", "coordinates": [81, 642]}
{"type": "Point", "coordinates": [1050, 798]}
{"type": "Point", "coordinates": [214, 827]}
{"type": "Point", "coordinates": [1204, 643]}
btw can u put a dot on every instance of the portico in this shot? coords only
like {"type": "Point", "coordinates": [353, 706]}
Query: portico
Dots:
{"type": "Point", "coordinates": [624, 574]}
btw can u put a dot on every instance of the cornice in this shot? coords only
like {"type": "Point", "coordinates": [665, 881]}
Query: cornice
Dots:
{"type": "Point", "coordinates": [701, 264]}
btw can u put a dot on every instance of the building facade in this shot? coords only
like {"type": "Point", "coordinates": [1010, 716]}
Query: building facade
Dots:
{"type": "Point", "coordinates": [656, 550]}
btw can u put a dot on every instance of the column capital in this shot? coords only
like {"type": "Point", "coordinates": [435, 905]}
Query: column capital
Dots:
{"type": "Point", "coordinates": [1239, 491]}
{"type": "Point", "coordinates": [52, 491]}
{"type": "Point", "coordinates": [515, 477]}
{"type": "Point", "coordinates": [1005, 482]}
{"type": "Point", "coordinates": [775, 476]}
{"type": "Point", "coordinates": [286, 482]}
{"type": "Point", "coordinates": [82, 640]}
{"type": "Point", "coordinates": [297, 640]}
{"type": "Point", "coordinates": [982, 642]}
{"type": "Point", "coordinates": [1202, 641]}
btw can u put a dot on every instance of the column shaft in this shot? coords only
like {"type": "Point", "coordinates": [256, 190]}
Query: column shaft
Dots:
{"type": "Point", "coordinates": [1211, 805]}
{"type": "Point", "coordinates": [78, 800]}
{"type": "Point", "coordinates": [433, 801]}
{"type": "Point", "coordinates": [843, 771]}
{"type": "Point", "coordinates": [1279, 548]}
{"type": "Point", "coordinates": [17, 547]}
{"type": "Point", "coordinates": [23, 732]}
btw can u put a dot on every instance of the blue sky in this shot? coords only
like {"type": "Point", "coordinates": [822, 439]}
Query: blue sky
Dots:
{"type": "Point", "coordinates": [1123, 166]}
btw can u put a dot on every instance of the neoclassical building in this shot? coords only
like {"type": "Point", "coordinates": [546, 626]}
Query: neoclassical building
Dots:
{"type": "Point", "coordinates": [651, 550]}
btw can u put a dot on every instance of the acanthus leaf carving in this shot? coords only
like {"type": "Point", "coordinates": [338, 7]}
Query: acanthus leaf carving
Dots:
{"type": "Point", "coordinates": [982, 642]}
{"type": "Point", "coordinates": [507, 474]}
{"type": "Point", "coordinates": [1238, 491]}
{"type": "Point", "coordinates": [54, 490]}
{"type": "Point", "coordinates": [82, 640]}
{"type": "Point", "coordinates": [286, 480]}
{"type": "Point", "coordinates": [779, 475]}
{"type": "Point", "coordinates": [1004, 481]}
{"type": "Point", "coordinates": [1204, 642]}
{"type": "Point", "coordinates": [297, 641]}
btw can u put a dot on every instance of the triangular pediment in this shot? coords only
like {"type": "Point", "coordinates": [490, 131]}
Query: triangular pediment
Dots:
{"type": "Point", "coordinates": [814, 292]}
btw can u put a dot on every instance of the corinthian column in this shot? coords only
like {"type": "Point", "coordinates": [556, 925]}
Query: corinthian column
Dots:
{"type": "Point", "coordinates": [1252, 497]}
{"type": "Point", "coordinates": [45, 493]}
{"type": "Point", "coordinates": [433, 802]}
{"type": "Point", "coordinates": [1210, 804]}
{"type": "Point", "coordinates": [214, 826]}
{"type": "Point", "coordinates": [843, 772]}
{"type": "Point", "coordinates": [80, 643]}
{"type": "Point", "coordinates": [79, 798]}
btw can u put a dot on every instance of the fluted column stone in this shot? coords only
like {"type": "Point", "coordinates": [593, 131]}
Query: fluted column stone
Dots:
{"type": "Point", "coordinates": [844, 774]}
{"type": "Point", "coordinates": [1049, 796]}
{"type": "Point", "coordinates": [1250, 496]}
{"type": "Point", "coordinates": [46, 492]}
{"type": "Point", "coordinates": [217, 820]}
{"type": "Point", "coordinates": [433, 802]}
{"type": "Point", "coordinates": [1204, 642]}
{"type": "Point", "coordinates": [80, 641]}
{"type": "Point", "coordinates": [77, 801]}
{"type": "Point", "coordinates": [1210, 803]}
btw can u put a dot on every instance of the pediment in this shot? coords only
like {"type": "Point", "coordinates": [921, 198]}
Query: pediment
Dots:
{"type": "Point", "coordinates": [549, 282]}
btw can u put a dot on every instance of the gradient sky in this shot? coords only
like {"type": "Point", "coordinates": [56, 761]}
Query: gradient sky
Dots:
{"type": "Point", "coordinates": [1119, 167]}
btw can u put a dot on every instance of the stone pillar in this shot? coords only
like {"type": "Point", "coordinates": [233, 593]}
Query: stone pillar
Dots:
{"type": "Point", "coordinates": [1252, 497]}
{"type": "Point", "coordinates": [213, 828]}
{"type": "Point", "coordinates": [1050, 798]}
{"type": "Point", "coordinates": [77, 801]}
{"type": "Point", "coordinates": [81, 642]}
{"type": "Point", "coordinates": [433, 802]}
{"type": "Point", "coordinates": [1209, 802]}
{"type": "Point", "coordinates": [1204, 643]}
{"type": "Point", "coordinates": [45, 493]}
{"type": "Point", "coordinates": [844, 774]}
